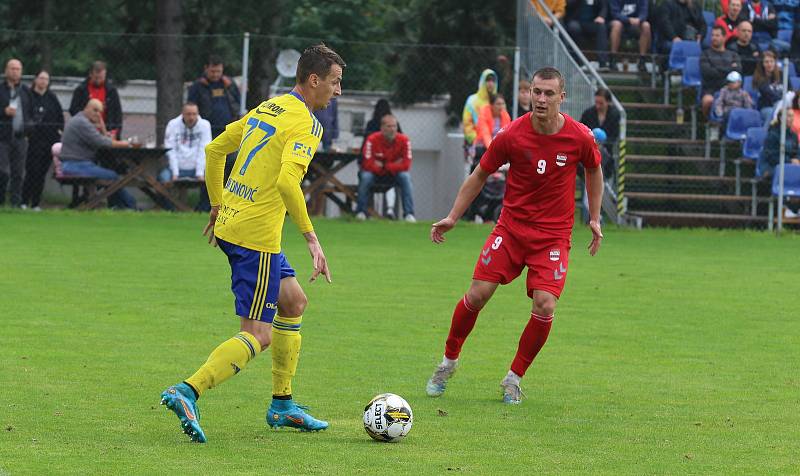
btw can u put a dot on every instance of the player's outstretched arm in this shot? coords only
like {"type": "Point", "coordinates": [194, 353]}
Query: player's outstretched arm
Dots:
{"type": "Point", "coordinates": [466, 194]}
{"type": "Point", "coordinates": [594, 187]}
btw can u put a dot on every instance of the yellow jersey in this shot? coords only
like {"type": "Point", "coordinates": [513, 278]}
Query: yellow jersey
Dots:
{"type": "Point", "coordinates": [251, 211]}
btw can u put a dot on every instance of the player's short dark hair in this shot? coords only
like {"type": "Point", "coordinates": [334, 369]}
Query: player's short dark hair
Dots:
{"type": "Point", "coordinates": [549, 72]}
{"type": "Point", "coordinates": [98, 66]}
{"type": "Point", "coordinates": [318, 60]}
{"type": "Point", "coordinates": [603, 92]}
{"type": "Point", "coordinates": [717, 27]}
{"type": "Point", "coordinates": [190, 103]}
{"type": "Point", "coordinates": [214, 60]}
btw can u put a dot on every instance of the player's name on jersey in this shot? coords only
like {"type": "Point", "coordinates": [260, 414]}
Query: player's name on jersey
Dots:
{"type": "Point", "coordinates": [241, 190]}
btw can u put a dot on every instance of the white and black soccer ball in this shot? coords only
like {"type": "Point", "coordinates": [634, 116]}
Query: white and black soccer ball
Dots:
{"type": "Point", "coordinates": [388, 417]}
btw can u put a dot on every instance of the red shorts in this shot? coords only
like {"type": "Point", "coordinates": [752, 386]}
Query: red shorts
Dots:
{"type": "Point", "coordinates": [505, 253]}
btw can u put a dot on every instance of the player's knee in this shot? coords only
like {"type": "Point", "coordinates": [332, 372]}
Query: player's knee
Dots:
{"type": "Point", "coordinates": [544, 305]}
{"type": "Point", "coordinates": [477, 298]}
{"type": "Point", "coordinates": [295, 307]}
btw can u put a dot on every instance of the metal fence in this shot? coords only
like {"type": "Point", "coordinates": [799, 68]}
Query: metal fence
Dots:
{"type": "Point", "coordinates": [426, 86]}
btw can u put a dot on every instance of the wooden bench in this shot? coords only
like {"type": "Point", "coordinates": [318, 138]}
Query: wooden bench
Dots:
{"type": "Point", "coordinates": [84, 188]}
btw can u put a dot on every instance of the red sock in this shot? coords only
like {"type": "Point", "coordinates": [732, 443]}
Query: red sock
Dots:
{"type": "Point", "coordinates": [464, 317]}
{"type": "Point", "coordinates": [531, 342]}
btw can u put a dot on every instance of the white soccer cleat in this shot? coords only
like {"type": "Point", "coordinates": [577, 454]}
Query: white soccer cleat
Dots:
{"type": "Point", "coordinates": [512, 393]}
{"type": "Point", "coordinates": [411, 219]}
{"type": "Point", "coordinates": [438, 381]}
{"type": "Point", "coordinates": [361, 216]}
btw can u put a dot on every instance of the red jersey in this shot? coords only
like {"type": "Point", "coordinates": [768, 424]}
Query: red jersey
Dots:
{"type": "Point", "coordinates": [540, 189]}
{"type": "Point", "coordinates": [382, 157]}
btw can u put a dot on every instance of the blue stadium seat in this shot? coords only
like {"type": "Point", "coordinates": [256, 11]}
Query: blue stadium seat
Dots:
{"type": "Point", "coordinates": [710, 19]}
{"type": "Point", "coordinates": [747, 85]}
{"type": "Point", "coordinates": [754, 142]}
{"type": "Point", "coordinates": [762, 39]}
{"type": "Point", "coordinates": [794, 82]}
{"type": "Point", "coordinates": [691, 72]}
{"type": "Point", "coordinates": [680, 51]}
{"type": "Point", "coordinates": [739, 121]}
{"type": "Point", "coordinates": [785, 35]}
{"type": "Point", "coordinates": [791, 181]}
{"type": "Point", "coordinates": [712, 116]}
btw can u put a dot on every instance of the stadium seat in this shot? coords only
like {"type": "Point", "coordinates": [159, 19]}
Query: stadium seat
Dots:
{"type": "Point", "coordinates": [747, 85]}
{"type": "Point", "coordinates": [751, 151]}
{"type": "Point", "coordinates": [710, 19]}
{"type": "Point", "coordinates": [691, 77]}
{"type": "Point", "coordinates": [739, 121]}
{"type": "Point", "coordinates": [785, 35]}
{"type": "Point", "coordinates": [791, 186]}
{"type": "Point", "coordinates": [794, 83]}
{"type": "Point", "coordinates": [680, 51]}
{"type": "Point", "coordinates": [754, 142]}
{"type": "Point", "coordinates": [762, 39]}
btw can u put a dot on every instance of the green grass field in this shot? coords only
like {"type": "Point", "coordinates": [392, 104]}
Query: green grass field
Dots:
{"type": "Point", "coordinates": [672, 352]}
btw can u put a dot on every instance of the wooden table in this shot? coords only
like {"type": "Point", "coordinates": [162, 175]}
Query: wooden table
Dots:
{"type": "Point", "coordinates": [135, 166]}
{"type": "Point", "coordinates": [324, 184]}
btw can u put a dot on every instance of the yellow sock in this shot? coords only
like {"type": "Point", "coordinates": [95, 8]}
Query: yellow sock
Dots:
{"type": "Point", "coordinates": [225, 361]}
{"type": "Point", "coordinates": [285, 353]}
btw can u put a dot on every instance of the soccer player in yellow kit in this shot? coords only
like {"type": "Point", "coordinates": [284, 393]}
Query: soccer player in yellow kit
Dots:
{"type": "Point", "coordinates": [276, 142]}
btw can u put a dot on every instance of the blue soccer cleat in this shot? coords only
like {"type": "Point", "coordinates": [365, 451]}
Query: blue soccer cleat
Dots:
{"type": "Point", "coordinates": [180, 399]}
{"type": "Point", "coordinates": [292, 415]}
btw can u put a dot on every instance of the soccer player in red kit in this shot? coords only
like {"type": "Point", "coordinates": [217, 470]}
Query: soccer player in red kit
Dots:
{"type": "Point", "coordinates": [543, 149]}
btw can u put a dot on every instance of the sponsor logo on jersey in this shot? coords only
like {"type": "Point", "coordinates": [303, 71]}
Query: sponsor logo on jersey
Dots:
{"type": "Point", "coordinates": [555, 255]}
{"type": "Point", "coordinates": [301, 150]}
{"type": "Point", "coordinates": [561, 160]}
{"type": "Point", "coordinates": [270, 109]}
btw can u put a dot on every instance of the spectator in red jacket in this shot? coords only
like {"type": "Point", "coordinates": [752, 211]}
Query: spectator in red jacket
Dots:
{"type": "Point", "coordinates": [386, 154]}
{"type": "Point", "coordinates": [731, 20]}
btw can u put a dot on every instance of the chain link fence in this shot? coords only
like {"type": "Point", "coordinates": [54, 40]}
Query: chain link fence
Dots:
{"type": "Point", "coordinates": [426, 86]}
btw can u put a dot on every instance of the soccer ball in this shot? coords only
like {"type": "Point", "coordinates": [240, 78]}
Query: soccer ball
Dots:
{"type": "Point", "coordinates": [388, 417]}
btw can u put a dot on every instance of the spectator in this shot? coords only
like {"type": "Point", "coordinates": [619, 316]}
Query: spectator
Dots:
{"type": "Point", "coordinates": [715, 64]}
{"type": "Point", "coordinates": [602, 115]}
{"type": "Point", "coordinates": [770, 154]}
{"type": "Point", "coordinates": [785, 13]}
{"type": "Point", "coordinates": [329, 118]}
{"type": "Point", "coordinates": [678, 20]}
{"type": "Point", "coordinates": [587, 19]}
{"type": "Point", "coordinates": [217, 98]}
{"type": "Point", "coordinates": [743, 45]}
{"type": "Point", "coordinates": [555, 6]}
{"type": "Point", "coordinates": [387, 153]}
{"type": "Point", "coordinates": [629, 17]}
{"type": "Point", "coordinates": [487, 86]}
{"type": "Point", "coordinates": [492, 118]}
{"type": "Point", "coordinates": [79, 144]}
{"type": "Point", "coordinates": [381, 109]}
{"type": "Point", "coordinates": [730, 20]}
{"type": "Point", "coordinates": [48, 122]}
{"type": "Point", "coordinates": [762, 16]}
{"type": "Point", "coordinates": [216, 95]}
{"type": "Point", "coordinates": [767, 81]}
{"type": "Point", "coordinates": [186, 137]}
{"type": "Point", "coordinates": [524, 98]}
{"type": "Point", "coordinates": [731, 97]}
{"type": "Point", "coordinates": [15, 103]}
{"type": "Point", "coordinates": [98, 86]}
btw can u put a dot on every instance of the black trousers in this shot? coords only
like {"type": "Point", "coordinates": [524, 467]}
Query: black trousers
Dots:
{"type": "Point", "coordinates": [36, 167]}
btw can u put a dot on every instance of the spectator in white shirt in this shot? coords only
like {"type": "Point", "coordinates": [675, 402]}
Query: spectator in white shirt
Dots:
{"type": "Point", "coordinates": [186, 138]}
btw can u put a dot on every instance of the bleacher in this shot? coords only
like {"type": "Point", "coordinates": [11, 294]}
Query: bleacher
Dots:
{"type": "Point", "coordinates": [679, 172]}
